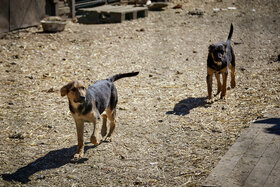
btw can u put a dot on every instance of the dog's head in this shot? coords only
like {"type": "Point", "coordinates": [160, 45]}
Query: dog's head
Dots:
{"type": "Point", "coordinates": [75, 91]}
{"type": "Point", "coordinates": [218, 51]}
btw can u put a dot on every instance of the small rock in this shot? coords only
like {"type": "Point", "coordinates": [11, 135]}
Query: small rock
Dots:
{"type": "Point", "coordinates": [231, 8]}
{"type": "Point", "coordinates": [15, 56]}
{"type": "Point", "coordinates": [51, 90]}
{"type": "Point", "coordinates": [40, 177]}
{"type": "Point", "coordinates": [178, 6]}
{"type": "Point", "coordinates": [122, 157]}
{"type": "Point", "coordinates": [70, 177]}
{"type": "Point", "coordinates": [196, 12]}
{"type": "Point", "coordinates": [157, 6]}
{"type": "Point", "coordinates": [17, 136]}
{"type": "Point", "coordinates": [137, 183]}
{"type": "Point", "coordinates": [140, 30]}
{"type": "Point", "coordinates": [216, 131]}
{"type": "Point", "coordinates": [243, 69]}
{"type": "Point", "coordinates": [45, 75]}
{"type": "Point", "coordinates": [238, 43]}
{"type": "Point", "coordinates": [216, 9]}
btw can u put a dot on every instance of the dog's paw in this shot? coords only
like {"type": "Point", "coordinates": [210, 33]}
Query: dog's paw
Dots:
{"type": "Point", "coordinates": [108, 139]}
{"type": "Point", "coordinates": [210, 101]}
{"type": "Point", "coordinates": [94, 140]}
{"type": "Point", "coordinates": [78, 156]}
{"type": "Point", "coordinates": [223, 97]}
{"type": "Point", "coordinates": [232, 84]}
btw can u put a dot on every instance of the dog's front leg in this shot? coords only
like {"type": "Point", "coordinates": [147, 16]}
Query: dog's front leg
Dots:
{"type": "Point", "coordinates": [80, 135]}
{"type": "Point", "coordinates": [95, 137]}
{"type": "Point", "coordinates": [224, 86]}
{"type": "Point", "coordinates": [209, 80]}
{"type": "Point", "coordinates": [219, 83]}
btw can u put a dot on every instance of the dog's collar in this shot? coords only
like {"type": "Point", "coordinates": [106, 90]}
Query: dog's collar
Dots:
{"type": "Point", "coordinates": [82, 108]}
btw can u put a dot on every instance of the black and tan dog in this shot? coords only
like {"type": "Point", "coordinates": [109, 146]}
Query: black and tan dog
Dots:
{"type": "Point", "coordinates": [88, 104]}
{"type": "Point", "coordinates": [220, 58]}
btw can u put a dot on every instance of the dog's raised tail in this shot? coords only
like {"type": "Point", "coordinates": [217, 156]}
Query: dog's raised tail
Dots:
{"type": "Point", "coordinates": [230, 33]}
{"type": "Point", "coordinates": [119, 76]}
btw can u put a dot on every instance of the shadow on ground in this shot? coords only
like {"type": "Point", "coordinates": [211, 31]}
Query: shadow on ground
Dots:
{"type": "Point", "coordinates": [274, 129]}
{"type": "Point", "coordinates": [186, 105]}
{"type": "Point", "coordinates": [54, 159]}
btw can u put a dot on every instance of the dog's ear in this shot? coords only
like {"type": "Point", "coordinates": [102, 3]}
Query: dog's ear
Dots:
{"type": "Point", "coordinates": [211, 48]}
{"type": "Point", "coordinates": [65, 89]}
{"type": "Point", "coordinates": [225, 45]}
{"type": "Point", "coordinates": [85, 85]}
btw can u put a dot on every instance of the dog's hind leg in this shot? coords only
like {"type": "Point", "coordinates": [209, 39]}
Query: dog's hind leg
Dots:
{"type": "Point", "coordinates": [232, 73]}
{"type": "Point", "coordinates": [111, 114]}
{"type": "Point", "coordinates": [104, 125]}
{"type": "Point", "coordinates": [95, 137]}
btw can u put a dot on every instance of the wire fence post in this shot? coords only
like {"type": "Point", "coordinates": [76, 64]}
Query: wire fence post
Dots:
{"type": "Point", "coordinates": [73, 9]}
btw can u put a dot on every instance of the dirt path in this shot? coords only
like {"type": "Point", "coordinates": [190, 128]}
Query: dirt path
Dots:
{"type": "Point", "coordinates": [166, 134]}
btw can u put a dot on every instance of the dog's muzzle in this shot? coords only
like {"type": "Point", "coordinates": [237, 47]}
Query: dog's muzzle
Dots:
{"type": "Point", "coordinates": [80, 100]}
{"type": "Point", "coordinates": [219, 63]}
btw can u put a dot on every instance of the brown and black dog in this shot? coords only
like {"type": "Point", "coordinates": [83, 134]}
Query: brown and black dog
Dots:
{"type": "Point", "coordinates": [220, 58]}
{"type": "Point", "coordinates": [89, 104]}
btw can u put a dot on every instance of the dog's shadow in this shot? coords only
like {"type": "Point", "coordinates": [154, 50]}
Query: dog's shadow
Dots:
{"type": "Point", "coordinates": [186, 105]}
{"type": "Point", "coordinates": [53, 159]}
{"type": "Point", "coordinates": [274, 129]}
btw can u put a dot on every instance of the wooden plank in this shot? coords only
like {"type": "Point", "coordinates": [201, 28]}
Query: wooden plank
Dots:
{"type": "Point", "coordinates": [26, 13]}
{"type": "Point", "coordinates": [73, 11]}
{"type": "Point", "coordinates": [88, 4]}
{"type": "Point", "coordinates": [266, 164]}
{"type": "Point", "coordinates": [231, 158]}
{"type": "Point", "coordinates": [112, 14]}
{"type": "Point", "coordinates": [4, 16]}
{"type": "Point", "coordinates": [249, 160]}
{"type": "Point", "coordinates": [110, 8]}
{"type": "Point", "coordinates": [118, 9]}
{"type": "Point", "coordinates": [273, 179]}
{"type": "Point", "coordinates": [258, 165]}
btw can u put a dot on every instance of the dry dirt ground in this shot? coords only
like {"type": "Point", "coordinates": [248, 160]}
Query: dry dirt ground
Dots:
{"type": "Point", "coordinates": [166, 134]}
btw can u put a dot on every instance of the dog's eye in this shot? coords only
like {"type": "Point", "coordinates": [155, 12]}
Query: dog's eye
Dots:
{"type": "Point", "coordinates": [83, 88]}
